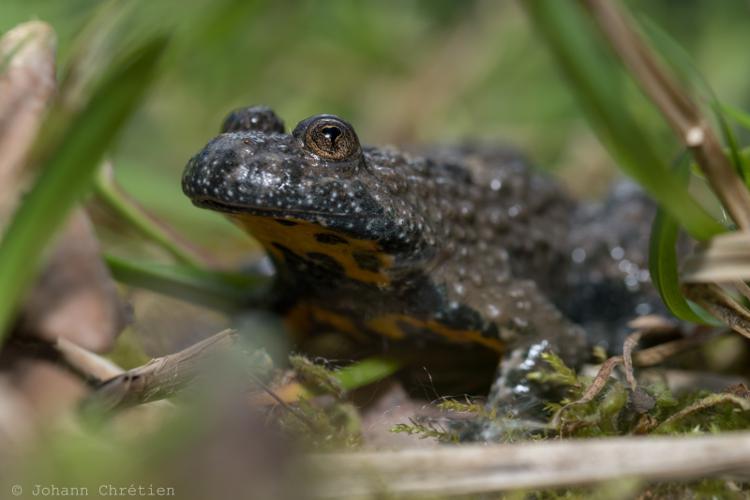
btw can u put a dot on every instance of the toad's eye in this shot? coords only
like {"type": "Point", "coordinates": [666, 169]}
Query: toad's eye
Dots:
{"type": "Point", "coordinates": [328, 137]}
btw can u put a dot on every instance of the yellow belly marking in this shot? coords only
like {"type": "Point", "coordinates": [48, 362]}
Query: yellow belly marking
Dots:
{"type": "Point", "coordinates": [302, 239]}
{"type": "Point", "coordinates": [304, 317]}
{"type": "Point", "coordinates": [389, 325]}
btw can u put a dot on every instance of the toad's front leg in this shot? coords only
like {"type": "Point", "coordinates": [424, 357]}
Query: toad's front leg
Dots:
{"type": "Point", "coordinates": [532, 325]}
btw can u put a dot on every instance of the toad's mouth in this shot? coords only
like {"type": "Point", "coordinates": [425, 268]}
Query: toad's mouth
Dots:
{"type": "Point", "coordinates": [275, 212]}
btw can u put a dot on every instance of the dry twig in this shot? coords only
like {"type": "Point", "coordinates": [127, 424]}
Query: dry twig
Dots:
{"type": "Point", "coordinates": [721, 305]}
{"type": "Point", "coordinates": [658, 353]}
{"type": "Point", "coordinates": [161, 377]}
{"type": "Point", "coordinates": [650, 325]}
{"type": "Point", "coordinates": [468, 469]}
{"type": "Point", "coordinates": [600, 380]}
{"type": "Point", "coordinates": [85, 362]}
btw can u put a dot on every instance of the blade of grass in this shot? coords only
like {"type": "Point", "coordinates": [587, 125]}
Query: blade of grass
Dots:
{"type": "Point", "coordinates": [367, 371]}
{"type": "Point", "coordinates": [662, 259]}
{"type": "Point", "coordinates": [740, 116]}
{"type": "Point", "coordinates": [731, 141]}
{"type": "Point", "coordinates": [225, 291]}
{"type": "Point", "coordinates": [595, 80]}
{"type": "Point", "coordinates": [664, 269]}
{"type": "Point", "coordinates": [68, 167]}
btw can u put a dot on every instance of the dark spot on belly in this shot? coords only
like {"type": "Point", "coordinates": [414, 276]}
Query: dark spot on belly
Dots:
{"type": "Point", "coordinates": [291, 261]}
{"type": "Point", "coordinates": [367, 260]}
{"type": "Point", "coordinates": [326, 261]}
{"type": "Point", "coordinates": [285, 222]}
{"type": "Point", "coordinates": [291, 257]}
{"type": "Point", "coordinates": [280, 247]}
{"type": "Point", "coordinates": [330, 239]}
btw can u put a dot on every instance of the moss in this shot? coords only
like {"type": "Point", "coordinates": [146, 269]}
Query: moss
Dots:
{"type": "Point", "coordinates": [315, 377]}
{"type": "Point", "coordinates": [320, 426]}
{"type": "Point", "coordinates": [427, 429]}
{"type": "Point", "coordinates": [616, 410]}
{"type": "Point", "coordinates": [559, 374]}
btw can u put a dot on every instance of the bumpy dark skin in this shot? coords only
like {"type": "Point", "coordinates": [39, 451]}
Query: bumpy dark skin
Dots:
{"type": "Point", "coordinates": [462, 245]}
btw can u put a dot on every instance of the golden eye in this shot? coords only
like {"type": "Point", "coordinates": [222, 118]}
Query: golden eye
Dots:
{"type": "Point", "coordinates": [329, 137]}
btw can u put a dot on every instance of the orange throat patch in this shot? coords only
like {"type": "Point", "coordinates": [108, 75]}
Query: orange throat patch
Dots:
{"type": "Point", "coordinates": [361, 260]}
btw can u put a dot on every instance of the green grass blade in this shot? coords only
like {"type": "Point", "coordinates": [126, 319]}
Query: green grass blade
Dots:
{"type": "Point", "coordinates": [663, 266]}
{"type": "Point", "coordinates": [67, 170]}
{"type": "Point", "coordinates": [731, 142]}
{"type": "Point", "coordinates": [225, 291]}
{"type": "Point", "coordinates": [367, 371]}
{"type": "Point", "coordinates": [597, 83]}
{"type": "Point", "coordinates": [740, 116]}
{"type": "Point", "coordinates": [663, 262]}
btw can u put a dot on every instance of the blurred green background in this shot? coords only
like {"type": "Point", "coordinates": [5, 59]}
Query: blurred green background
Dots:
{"type": "Point", "coordinates": [402, 72]}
